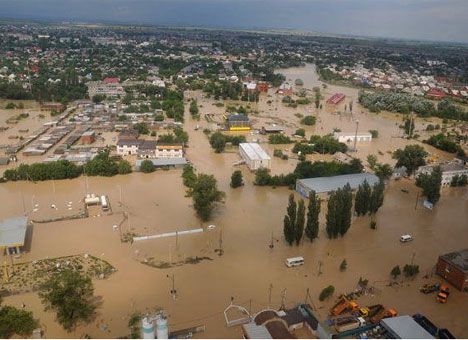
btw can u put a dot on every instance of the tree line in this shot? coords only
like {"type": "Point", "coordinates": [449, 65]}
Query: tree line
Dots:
{"type": "Point", "coordinates": [101, 165]}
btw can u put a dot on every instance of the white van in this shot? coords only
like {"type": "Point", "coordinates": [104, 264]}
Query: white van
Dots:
{"type": "Point", "coordinates": [406, 238]}
{"type": "Point", "coordinates": [294, 262]}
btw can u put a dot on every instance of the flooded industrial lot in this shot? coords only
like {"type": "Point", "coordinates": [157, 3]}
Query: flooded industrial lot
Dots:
{"type": "Point", "coordinates": [244, 227]}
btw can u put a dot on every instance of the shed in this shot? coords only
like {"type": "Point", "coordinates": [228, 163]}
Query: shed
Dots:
{"type": "Point", "coordinates": [254, 156]}
{"type": "Point", "coordinates": [13, 234]}
{"type": "Point", "coordinates": [327, 184]}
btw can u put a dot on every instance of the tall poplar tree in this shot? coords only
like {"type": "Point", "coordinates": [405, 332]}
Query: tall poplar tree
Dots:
{"type": "Point", "coordinates": [312, 227]}
{"type": "Point", "coordinates": [300, 221]}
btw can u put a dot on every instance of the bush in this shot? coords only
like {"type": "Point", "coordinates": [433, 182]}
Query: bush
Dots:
{"type": "Point", "coordinates": [147, 166]}
{"type": "Point", "coordinates": [300, 132]}
{"type": "Point", "coordinates": [278, 138]}
{"type": "Point", "coordinates": [308, 120]}
{"type": "Point", "coordinates": [343, 265]}
{"type": "Point", "coordinates": [236, 179]}
{"type": "Point", "coordinates": [374, 133]}
{"type": "Point", "coordinates": [410, 270]}
{"type": "Point", "coordinates": [326, 292]}
{"type": "Point", "coordinates": [395, 272]}
{"type": "Point", "coordinates": [124, 167]}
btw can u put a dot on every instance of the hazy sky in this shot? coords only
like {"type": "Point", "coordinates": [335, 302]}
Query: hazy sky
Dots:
{"type": "Point", "coordinates": [413, 19]}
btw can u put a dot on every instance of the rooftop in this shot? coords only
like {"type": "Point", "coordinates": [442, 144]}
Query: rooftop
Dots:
{"type": "Point", "coordinates": [327, 184]}
{"type": "Point", "coordinates": [13, 231]}
{"type": "Point", "coordinates": [254, 151]}
{"type": "Point", "coordinates": [404, 327]}
{"type": "Point", "coordinates": [458, 259]}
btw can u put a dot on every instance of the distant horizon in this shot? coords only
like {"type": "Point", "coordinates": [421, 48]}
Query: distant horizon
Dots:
{"type": "Point", "coordinates": [410, 20]}
{"type": "Point", "coordinates": [280, 30]}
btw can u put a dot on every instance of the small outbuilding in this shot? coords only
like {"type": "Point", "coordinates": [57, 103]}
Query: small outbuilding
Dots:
{"type": "Point", "coordinates": [254, 156]}
{"type": "Point", "coordinates": [13, 234]}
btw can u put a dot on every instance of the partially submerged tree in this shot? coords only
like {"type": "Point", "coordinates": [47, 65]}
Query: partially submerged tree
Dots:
{"type": "Point", "coordinates": [312, 227]}
{"type": "Point", "coordinates": [205, 194]}
{"type": "Point", "coordinates": [70, 294]}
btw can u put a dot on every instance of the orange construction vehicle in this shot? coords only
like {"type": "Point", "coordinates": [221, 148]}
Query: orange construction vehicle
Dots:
{"type": "Point", "coordinates": [343, 305]}
{"type": "Point", "coordinates": [443, 294]}
{"type": "Point", "coordinates": [384, 313]}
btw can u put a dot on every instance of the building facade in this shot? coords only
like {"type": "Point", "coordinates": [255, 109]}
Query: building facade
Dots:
{"type": "Point", "coordinates": [449, 170]}
{"type": "Point", "coordinates": [347, 137]}
{"type": "Point", "coordinates": [454, 268]}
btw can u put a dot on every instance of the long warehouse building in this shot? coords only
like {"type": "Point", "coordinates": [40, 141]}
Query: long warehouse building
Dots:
{"type": "Point", "coordinates": [254, 156]}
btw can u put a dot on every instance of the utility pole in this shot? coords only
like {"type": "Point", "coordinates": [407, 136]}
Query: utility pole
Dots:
{"type": "Point", "coordinates": [271, 242]}
{"type": "Point", "coordinates": [270, 289]}
{"type": "Point", "coordinates": [320, 268]}
{"type": "Point", "coordinates": [173, 290]}
{"type": "Point", "coordinates": [417, 200]}
{"type": "Point", "coordinates": [221, 251]}
{"type": "Point", "coordinates": [412, 258]}
{"type": "Point", "coordinates": [355, 135]}
{"type": "Point", "coordinates": [283, 299]}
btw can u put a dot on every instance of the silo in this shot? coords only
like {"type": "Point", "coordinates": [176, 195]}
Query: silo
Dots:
{"type": "Point", "coordinates": [162, 332]}
{"type": "Point", "coordinates": [147, 328]}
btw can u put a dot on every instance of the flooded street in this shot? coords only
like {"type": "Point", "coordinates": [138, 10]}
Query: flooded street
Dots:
{"type": "Point", "coordinates": [245, 225]}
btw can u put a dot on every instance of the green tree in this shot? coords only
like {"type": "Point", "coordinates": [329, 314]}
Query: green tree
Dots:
{"type": "Point", "coordinates": [412, 157]}
{"type": "Point", "coordinates": [326, 292]}
{"type": "Point", "coordinates": [124, 167]}
{"type": "Point", "coordinates": [395, 272]}
{"type": "Point", "coordinates": [236, 179]}
{"type": "Point", "coordinates": [300, 132]}
{"type": "Point", "coordinates": [142, 128]}
{"type": "Point", "coordinates": [312, 227]}
{"type": "Point", "coordinates": [218, 142]}
{"type": "Point", "coordinates": [308, 120]}
{"type": "Point", "coordinates": [70, 295]}
{"type": "Point", "coordinates": [333, 215]}
{"type": "Point", "coordinates": [205, 194]}
{"type": "Point", "coordinates": [377, 197]}
{"type": "Point", "coordinates": [372, 161]}
{"type": "Point", "coordinates": [383, 171]}
{"type": "Point", "coordinates": [194, 108]}
{"type": "Point", "coordinates": [288, 230]}
{"type": "Point", "coordinates": [262, 177]}
{"type": "Point", "coordinates": [300, 221]}
{"type": "Point", "coordinates": [343, 265]}
{"type": "Point", "coordinates": [188, 175]}
{"type": "Point", "coordinates": [14, 321]}
{"type": "Point", "coordinates": [430, 183]}
{"type": "Point", "coordinates": [290, 220]}
{"type": "Point", "coordinates": [147, 166]}
{"type": "Point", "coordinates": [410, 270]}
{"type": "Point", "coordinates": [363, 199]}
{"type": "Point", "coordinates": [346, 204]}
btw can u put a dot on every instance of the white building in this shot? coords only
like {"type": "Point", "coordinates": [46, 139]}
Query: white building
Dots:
{"type": "Point", "coordinates": [254, 156]}
{"type": "Point", "coordinates": [128, 147]}
{"type": "Point", "coordinates": [347, 137]}
{"type": "Point", "coordinates": [449, 170]}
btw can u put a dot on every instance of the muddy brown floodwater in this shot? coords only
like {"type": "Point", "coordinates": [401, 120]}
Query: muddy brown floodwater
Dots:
{"type": "Point", "coordinates": [156, 203]}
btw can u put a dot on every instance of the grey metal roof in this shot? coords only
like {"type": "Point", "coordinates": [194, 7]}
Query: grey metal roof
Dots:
{"type": "Point", "coordinates": [163, 161]}
{"type": "Point", "coordinates": [404, 327]}
{"type": "Point", "coordinates": [13, 231]}
{"type": "Point", "coordinates": [327, 184]}
{"type": "Point", "coordinates": [252, 331]}
{"type": "Point", "coordinates": [458, 259]}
